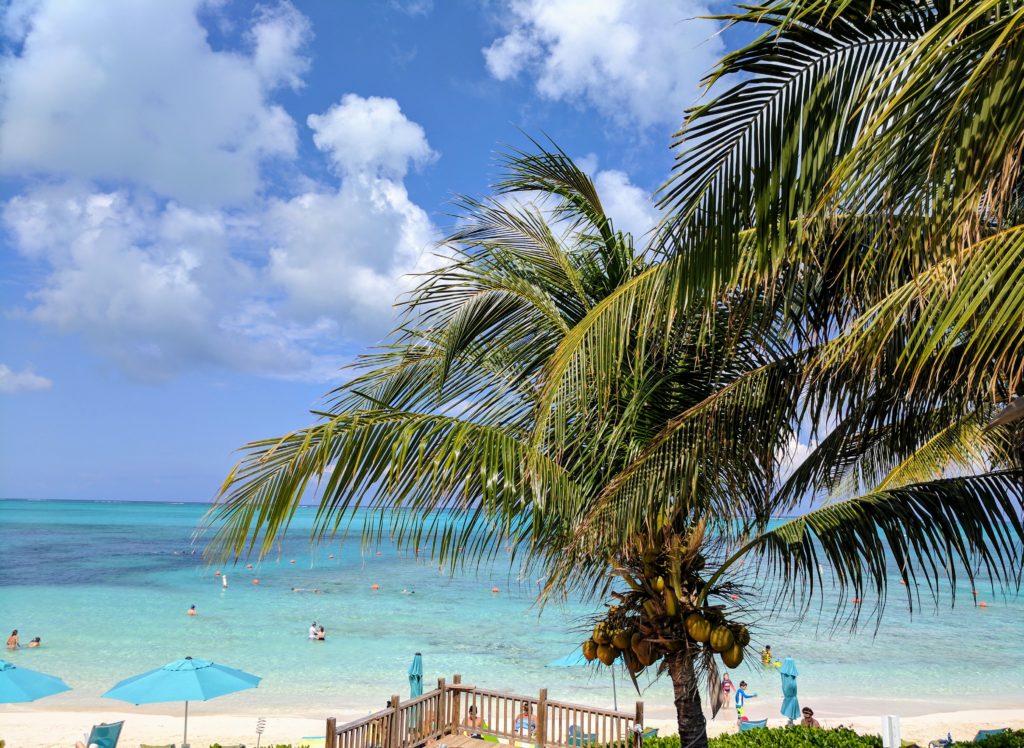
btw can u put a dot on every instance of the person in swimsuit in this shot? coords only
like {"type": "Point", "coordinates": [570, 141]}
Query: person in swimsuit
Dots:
{"type": "Point", "coordinates": [192, 611]}
{"type": "Point", "coordinates": [12, 640]}
{"type": "Point", "coordinates": [741, 699]}
{"type": "Point", "coordinates": [726, 687]}
{"type": "Point", "coordinates": [766, 655]}
{"type": "Point", "coordinates": [473, 722]}
{"type": "Point", "coordinates": [809, 720]}
{"type": "Point", "coordinates": [525, 724]}
{"type": "Point", "coordinates": [34, 643]}
{"type": "Point", "coordinates": [321, 635]}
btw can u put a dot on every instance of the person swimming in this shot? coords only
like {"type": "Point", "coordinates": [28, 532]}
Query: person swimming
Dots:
{"type": "Point", "coordinates": [35, 643]}
{"type": "Point", "coordinates": [192, 611]}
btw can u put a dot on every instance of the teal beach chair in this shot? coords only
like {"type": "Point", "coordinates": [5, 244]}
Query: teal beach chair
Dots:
{"type": "Point", "coordinates": [753, 724]}
{"type": "Point", "coordinates": [579, 739]}
{"type": "Point", "coordinates": [985, 734]}
{"type": "Point", "coordinates": [650, 732]}
{"type": "Point", "coordinates": [105, 736]}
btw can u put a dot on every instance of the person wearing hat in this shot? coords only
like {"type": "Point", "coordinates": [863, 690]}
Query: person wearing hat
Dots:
{"type": "Point", "coordinates": [809, 720]}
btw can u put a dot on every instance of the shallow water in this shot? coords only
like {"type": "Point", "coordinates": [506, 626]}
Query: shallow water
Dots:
{"type": "Point", "coordinates": [106, 586]}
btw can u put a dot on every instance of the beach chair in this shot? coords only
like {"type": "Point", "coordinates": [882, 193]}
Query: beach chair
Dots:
{"type": "Point", "coordinates": [578, 738]}
{"type": "Point", "coordinates": [105, 735]}
{"type": "Point", "coordinates": [986, 734]}
{"type": "Point", "coordinates": [650, 732]}
{"type": "Point", "coordinates": [753, 724]}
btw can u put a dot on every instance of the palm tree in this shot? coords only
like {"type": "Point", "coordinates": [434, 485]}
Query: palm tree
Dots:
{"type": "Point", "coordinates": [878, 145]}
{"type": "Point", "coordinates": [631, 450]}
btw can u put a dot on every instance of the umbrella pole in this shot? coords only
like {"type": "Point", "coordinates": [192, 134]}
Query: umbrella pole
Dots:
{"type": "Point", "coordinates": [184, 740]}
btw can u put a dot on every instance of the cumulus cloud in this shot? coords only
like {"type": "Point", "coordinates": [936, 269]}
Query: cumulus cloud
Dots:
{"type": "Point", "coordinates": [25, 380]}
{"type": "Point", "coordinates": [158, 287]}
{"type": "Point", "coordinates": [132, 92]}
{"type": "Point", "coordinates": [370, 136]}
{"type": "Point", "coordinates": [151, 287]}
{"type": "Point", "coordinates": [350, 251]}
{"type": "Point", "coordinates": [636, 61]}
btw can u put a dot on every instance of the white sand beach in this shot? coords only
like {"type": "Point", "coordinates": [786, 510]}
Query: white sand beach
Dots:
{"type": "Point", "coordinates": [28, 728]}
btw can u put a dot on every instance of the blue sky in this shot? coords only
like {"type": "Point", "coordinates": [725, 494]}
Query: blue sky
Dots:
{"type": "Point", "coordinates": [206, 208]}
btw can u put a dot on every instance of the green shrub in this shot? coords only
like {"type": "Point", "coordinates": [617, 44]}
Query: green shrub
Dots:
{"type": "Point", "coordinates": [1012, 739]}
{"type": "Point", "coordinates": [783, 737]}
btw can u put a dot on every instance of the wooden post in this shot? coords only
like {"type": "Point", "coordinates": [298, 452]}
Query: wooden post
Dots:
{"type": "Point", "coordinates": [638, 722]}
{"type": "Point", "coordinates": [394, 732]}
{"type": "Point", "coordinates": [456, 715]}
{"type": "Point", "coordinates": [542, 718]}
{"type": "Point", "coordinates": [440, 723]}
{"type": "Point", "coordinates": [331, 733]}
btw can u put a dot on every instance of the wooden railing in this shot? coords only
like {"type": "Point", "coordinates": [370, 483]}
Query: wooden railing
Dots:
{"type": "Point", "coordinates": [465, 710]}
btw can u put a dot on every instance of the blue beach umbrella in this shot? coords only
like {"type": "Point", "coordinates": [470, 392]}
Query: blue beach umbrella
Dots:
{"type": "Point", "coordinates": [18, 684]}
{"type": "Point", "coordinates": [416, 676]}
{"type": "Point", "coordinates": [576, 659]}
{"type": "Point", "coordinates": [182, 680]}
{"type": "Point", "coordinates": [790, 706]}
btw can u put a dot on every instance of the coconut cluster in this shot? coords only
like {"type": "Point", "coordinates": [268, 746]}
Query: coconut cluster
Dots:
{"type": "Point", "coordinates": [661, 614]}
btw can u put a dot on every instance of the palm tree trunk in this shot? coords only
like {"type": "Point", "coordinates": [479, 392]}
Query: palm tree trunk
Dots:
{"type": "Point", "coordinates": [689, 715]}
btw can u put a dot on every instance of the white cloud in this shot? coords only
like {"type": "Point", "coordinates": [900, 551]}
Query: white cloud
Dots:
{"type": "Point", "coordinates": [278, 37]}
{"type": "Point", "coordinates": [349, 252]}
{"type": "Point", "coordinates": [159, 287]}
{"type": "Point", "coordinates": [150, 287]}
{"type": "Point", "coordinates": [370, 136]}
{"type": "Point", "coordinates": [636, 61]}
{"type": "Point", "coordinates": [133, 92]}
{"type": "Point", "coordinates": [21, 381]}
{"type": "Point", "coordinates": [629, 206]}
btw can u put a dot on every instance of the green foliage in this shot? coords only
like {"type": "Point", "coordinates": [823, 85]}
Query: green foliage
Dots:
{"type": "Point", "coordinates": [784, 737]}
{"type": "Point", "coordinates": [1010, 739]}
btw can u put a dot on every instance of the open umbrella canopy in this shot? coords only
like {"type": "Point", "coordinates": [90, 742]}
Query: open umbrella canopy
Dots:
{"type": "Point", "coordinates": [790, 705]}
{"type": "Point", "coordinates": [18, 684]}
{"type": "Point", "coordinates": [182, 680]}
{"type": "Point", "coordinates": [416, 676]}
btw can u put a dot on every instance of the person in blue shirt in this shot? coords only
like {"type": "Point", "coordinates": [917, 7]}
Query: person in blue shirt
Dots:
{"type": "Point", "coordinates": [741, 699]}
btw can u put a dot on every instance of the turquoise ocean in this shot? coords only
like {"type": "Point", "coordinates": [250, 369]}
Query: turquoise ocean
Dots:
{"type": "Point", "coordinates": [106, 586]}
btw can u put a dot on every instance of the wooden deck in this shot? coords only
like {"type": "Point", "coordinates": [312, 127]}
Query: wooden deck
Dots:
{"type": "Point", "coordinates": [442, 716]}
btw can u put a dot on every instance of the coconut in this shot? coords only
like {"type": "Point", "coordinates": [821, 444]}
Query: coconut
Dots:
{"type": "Point", "coordinates": [590, 650]}
{"type": "Point", "coordinates": [697, 627]}
{"type": "Point", "coordinates": [742, 635]}
{"type": "Point", "coordinates": [721, 638]}
{"type": "Point", "coordinates": [621, 639]}
{"type": "Point", "coordinates": [607, 654]}
{"type": "Point", "coordinates": [733, 656]}
{"type": "Point", "coordinates": [601, 633]}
